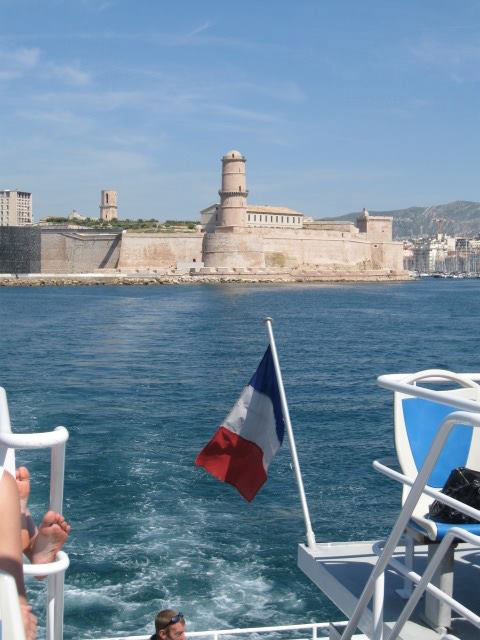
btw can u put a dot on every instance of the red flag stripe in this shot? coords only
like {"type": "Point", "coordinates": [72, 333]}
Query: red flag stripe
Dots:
{"type": "Point", "coordinates": [233, 459]}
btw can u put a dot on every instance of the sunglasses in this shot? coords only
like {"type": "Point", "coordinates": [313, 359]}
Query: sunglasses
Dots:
{"type": "Point", "coordinates": [175, 619]}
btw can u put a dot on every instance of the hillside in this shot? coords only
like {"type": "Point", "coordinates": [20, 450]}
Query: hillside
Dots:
{"type": "Point", "coordinates": [459, 218]}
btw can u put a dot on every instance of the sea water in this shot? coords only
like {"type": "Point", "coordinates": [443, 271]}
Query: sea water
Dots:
{"type": "Point", "coordinates": [142, 377]}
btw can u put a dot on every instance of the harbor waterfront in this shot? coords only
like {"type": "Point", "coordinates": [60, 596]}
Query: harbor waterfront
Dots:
{"type": "Point", "coordinates": [229, 276]}
{"type": "Point", "coordinates": [141, 377]}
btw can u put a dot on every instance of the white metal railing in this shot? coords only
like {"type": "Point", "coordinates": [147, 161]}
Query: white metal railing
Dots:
{"type": "Point", "coordinates": [56, 441]}
{"type": "Point", "coordinates": [10, 615]}
{"type": "Point", "coordinates": [216, 634]}
{"type": "Point", "coordinates": [375, 583]}
{"type": "Point", "coordinates": [397, 382]}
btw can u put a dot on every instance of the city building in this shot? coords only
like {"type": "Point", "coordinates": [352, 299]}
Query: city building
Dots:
{"type": "Point", "coordinates": [442, 254]}
{"type": "Point", "coordinates": [108, 206]}
{"type": "Point", "coordinates": [15, 208]}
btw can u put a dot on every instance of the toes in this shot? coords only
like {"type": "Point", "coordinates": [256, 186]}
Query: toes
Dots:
{"type": "Point", "coordinates": [49, 518]}
{"type": "Point", "coordinates": [22, 473]}
{"type": "Point", "coordinates": [53, 518]}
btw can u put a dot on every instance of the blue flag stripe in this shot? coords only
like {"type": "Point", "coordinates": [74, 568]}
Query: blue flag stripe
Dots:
{"type": "Point", "coordinates": [264, 380]}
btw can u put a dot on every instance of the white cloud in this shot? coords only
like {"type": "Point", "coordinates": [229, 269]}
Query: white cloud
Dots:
{"type": "Point", "coordinates": [58, 118]}
{"type": "Point", "coordinates": [117, 161]}
{"type": "Point", "coordinates": [69, 74]}
{"type": "Point", "coordinates": [199, 29]}
{"type": "Point", "coordinates": [18, 62]}
{"type": "Point", "coordinates": [459, 60]}
{"type": "Point", "coordinates": [14, 64]}
{"type": "Point", "coordinates": [434, 52]}
{"type": "Point", "coordinates": [242, 114]}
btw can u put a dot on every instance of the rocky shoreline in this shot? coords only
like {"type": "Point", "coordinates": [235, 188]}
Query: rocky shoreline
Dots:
{"type": "Point", "coordinates": [42, 280]}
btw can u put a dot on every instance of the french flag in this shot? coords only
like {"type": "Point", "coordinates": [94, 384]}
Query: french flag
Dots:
{"type": "Point", "coordinates": [241, 450]}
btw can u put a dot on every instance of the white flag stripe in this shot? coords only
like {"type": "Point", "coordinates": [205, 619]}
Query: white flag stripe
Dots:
{"type": "Point", "coordinates": [252, 418]}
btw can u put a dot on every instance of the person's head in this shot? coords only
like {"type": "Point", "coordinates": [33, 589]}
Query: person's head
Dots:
{"type": "Point", "coordinates": [170, 625]}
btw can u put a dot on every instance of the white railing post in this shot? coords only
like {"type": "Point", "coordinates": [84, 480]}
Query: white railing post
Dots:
{"type": "Point", "coordinates": [406, 591]}
{"type": "Point", "coordinates": [55, 590]}
{"type": "Point", "coordinates": [7, 455]}
{"type": "Point", "coordinates": [11, 624]}
{"type": "Point", "coordinates": [378, 601]}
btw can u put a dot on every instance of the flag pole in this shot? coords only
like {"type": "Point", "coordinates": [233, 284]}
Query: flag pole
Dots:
{"type": "Point", "coordinates": [291, 440]}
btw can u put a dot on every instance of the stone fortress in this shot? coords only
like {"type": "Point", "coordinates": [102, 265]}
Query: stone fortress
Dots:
{"type": "Point", "coordinates": [235, 241]}
{"type": "Point", "coordinates": [272, 238]}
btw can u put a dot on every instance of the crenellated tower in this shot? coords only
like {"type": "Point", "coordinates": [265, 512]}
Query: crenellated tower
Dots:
{"type": "Point", "coordinates": [233, 194]}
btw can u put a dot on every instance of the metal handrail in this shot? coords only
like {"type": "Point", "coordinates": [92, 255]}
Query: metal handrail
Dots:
{"type": "Point", "coordinates": [216, 633]}
{"type": "Point", "coordinates": [432, 377]}
{"type": "Point", "coordinates": [44, 440]}
{"type": "Point", "coordinates": [393, 383]}
{"type": "Point", "coordinates": [457, 417]}
{"type": "Point", "coordinates": [60, 565]}
{"type": "Point", "coordinates": [429, 491]}
{"type": "Point", "coordinates": [56, 441]}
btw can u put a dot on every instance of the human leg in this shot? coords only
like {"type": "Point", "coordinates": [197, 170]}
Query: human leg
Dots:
{"type": "Point", "coordinates": [28, 528]}
{"type": "Point", "coordinates": [11, 546]}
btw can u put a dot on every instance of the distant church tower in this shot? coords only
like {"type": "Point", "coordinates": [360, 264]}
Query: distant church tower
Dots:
{"type": "Point", "coordinates": [108, 206]}
{"type": "Point", "coordinates": [233, 194]}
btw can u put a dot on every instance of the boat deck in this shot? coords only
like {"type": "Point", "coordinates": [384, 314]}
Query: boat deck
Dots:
{"type": "Point", "coordinates": [341, 570]}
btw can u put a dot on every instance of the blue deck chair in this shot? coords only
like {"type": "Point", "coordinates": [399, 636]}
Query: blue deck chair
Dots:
{"type": "Point", "coordinates": [416, 423]}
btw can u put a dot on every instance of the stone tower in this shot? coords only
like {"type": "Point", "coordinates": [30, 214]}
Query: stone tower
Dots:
{"type": "Point", "coordinates": [376, 228]}
{"type": "Point", "coordinates": [233, 194]}
{"type": "Point", "coordinates": [108, 206]}
{"type": "Point", "coordinates": [232, 245]}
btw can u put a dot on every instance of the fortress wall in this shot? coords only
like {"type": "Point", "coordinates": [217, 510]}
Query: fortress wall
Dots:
{"type": "Point", "coordinates": [75, 252]}
{"type": "Point", "coordinates": [333, 229]}
{"type": "Point", "coordinates": [145, 250]}
{"type": "Point", "coordinates": [65, 251]}
{"type": "Point", "coordinates": [19, 250]}
{"type": "Point", "coordinates": [329, 249]}
{"type": "Point", "coordinates": [316, 248]}
{"type": "Point", "coordinates": [388, 255]}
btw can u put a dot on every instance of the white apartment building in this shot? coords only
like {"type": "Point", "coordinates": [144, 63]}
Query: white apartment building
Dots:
{"type": "Point", "coordinates": [15, 208]}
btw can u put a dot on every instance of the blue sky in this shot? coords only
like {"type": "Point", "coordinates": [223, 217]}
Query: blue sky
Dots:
{"type": "Point", "coordinates": [337, 105]}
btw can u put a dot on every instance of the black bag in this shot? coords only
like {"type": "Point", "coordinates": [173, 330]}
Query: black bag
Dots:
{"type": "Point", "coordinates": [464, 485]}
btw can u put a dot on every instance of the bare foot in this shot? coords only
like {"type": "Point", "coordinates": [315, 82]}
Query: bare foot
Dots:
{"type": "Point", "coordinates": [28, 528]}
{"type": "Point", "coordinates": [52, 534]}
{"type": "Point", "coordinates": [23, 483]}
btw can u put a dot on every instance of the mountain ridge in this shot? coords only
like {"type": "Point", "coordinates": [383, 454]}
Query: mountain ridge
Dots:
{"type": "Point", "coordinates": [457, 218]}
